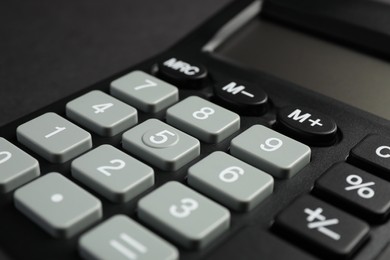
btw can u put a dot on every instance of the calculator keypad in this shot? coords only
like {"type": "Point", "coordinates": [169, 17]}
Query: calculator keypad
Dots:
{"type": "Point", "coordinates": [58, 205]}
{"type": "Point", "coordinates": [161, 145]}
{"type": "Point", "coordinates": [203, 119]}
{"type": "Point", "coordinates": [230, 181]}
{"type": "Point", "coordinates": [54, 138]}
{"type": "Point", "coordinates": [101, 113]}
{"type": "Point", "coordinates": [122, 238]}
{"type": "Point", "coordinates": [112, 173]}
{"type": "Point", "coordinates": [145, 92]}
{"type": "Point", "coordinates": [183, 215]}
{"type": "Point", "coordinates": [270, 151]}
{"type": "Point", "coordinates": [16, 166]}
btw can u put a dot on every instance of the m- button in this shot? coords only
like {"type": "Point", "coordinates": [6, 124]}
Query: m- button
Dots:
{"type": "Point", "coordinates": [307, 125]}
{"type": "Point", "coordinates": [373, 153]}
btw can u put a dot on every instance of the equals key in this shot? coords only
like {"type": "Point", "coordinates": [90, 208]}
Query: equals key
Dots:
{"type": "Point", "coordinates": [319, 225]}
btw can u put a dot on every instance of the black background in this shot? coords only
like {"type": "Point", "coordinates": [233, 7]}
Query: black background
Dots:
{"type": "Point", "coordinates": [49, 49]}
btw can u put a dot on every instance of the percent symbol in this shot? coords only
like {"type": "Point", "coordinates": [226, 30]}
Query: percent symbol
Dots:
{"type": "Point", "coordinates": [363, 189]}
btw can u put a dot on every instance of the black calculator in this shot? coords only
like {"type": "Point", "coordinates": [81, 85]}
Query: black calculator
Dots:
{"type": "Point", "coordinates": [264, 134]}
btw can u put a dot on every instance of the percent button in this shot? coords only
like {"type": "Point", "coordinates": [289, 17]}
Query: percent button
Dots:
{"type": "Point", "coordinates": [355, 190]}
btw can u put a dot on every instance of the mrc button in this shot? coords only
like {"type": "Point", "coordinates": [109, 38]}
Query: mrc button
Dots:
{"type": "Point", "coordinates": [245, 98]}
{"type": "Point", "coordinates": [307, 125]}
{"type": "Point", "coordinates": [181, 71]}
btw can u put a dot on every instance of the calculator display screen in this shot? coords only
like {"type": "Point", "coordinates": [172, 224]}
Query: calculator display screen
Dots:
{"type": "Point", "coordinates": [345, 74]}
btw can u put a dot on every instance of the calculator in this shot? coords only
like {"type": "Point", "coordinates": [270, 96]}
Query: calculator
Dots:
{"type": "Point", "coordinates": [263, 134]}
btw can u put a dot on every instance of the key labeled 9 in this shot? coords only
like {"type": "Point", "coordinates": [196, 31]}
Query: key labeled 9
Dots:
{"type": "Point", "coordinates": [271, 144]}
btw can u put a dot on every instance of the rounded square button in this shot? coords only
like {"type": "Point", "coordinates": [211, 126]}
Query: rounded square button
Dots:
{"type": "Point", "coordinates": [187, 217]}
{"type": "Point", "coordinates": [230, 181]}
{"type": "Point", "coordinates": [112, 173]}
{"type": "Point", "coordinates": [203, 119]}
{"type": "Point", "coordinates": [145, 92]}
{"type": "Point", "coordinates": [54, 138]}
{"type": "Point", "coordinates": [122, 238]}
{"type": "Point", "coordinates": [58, 205]}
{"type": "Point", "coordinates": [101, 113]}
{"type": "Point", "coordinates": [16, 166]}
{"type": "Point", "coordinates": [270, 151]}
{"type": "Point", "coordinates": [161, 145]}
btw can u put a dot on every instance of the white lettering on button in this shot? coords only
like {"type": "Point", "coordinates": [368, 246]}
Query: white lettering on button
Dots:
{"type": "Point", "coordinates": [7, 156]}
{"type": "Point", "coordinates": [382, 154]}
{"type": "Point", "coordinates": [322, 223]}
{"type": "Point", "coordinates": [296, 116]}
{"type": "Point", "coordinates": [57, 197]}
{"type": "Point", "coordinates": [58, 130]}
{"type": "Point", "coordinates": [125, 251]}
{"type": "Point", "coordinates": [234, 89]}
{"type": "Point", "coordinates": [181, 66]}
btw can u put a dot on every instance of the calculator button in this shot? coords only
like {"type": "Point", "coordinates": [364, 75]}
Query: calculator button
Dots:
{"type": "Point", "coordinates": [101, 113]}
{"type": "Point", "coordinates": [203, 119]}
{"type": "Point", "coordinates": [307, 125]}
{"type": "Point", "coordinates": [161, 145]}
{"type": "Point", "coordinates": [144, 91]}
{"type": "Point", "coordinates": [122, 238]}
{"type": "Point", "coordinates": [58, 205]}
{"type": "Point", "coordinates": [112, 173]}
{"type": "Point", "coordinates": [270, 151]}
{"type": "Point", "coordinates": [185, 72]}
{"type": "Point", "coordinates": [54, 138]}
{"type": "Point", "coordinates": [373, 152]}
{"type": "Point", "coordinates": [316, 223]}
{"type": "Point", "coordinates": [362, 191]}
{"type": "Point", "coordinates": [243, 97]}
{"type": "Point", "coordinates": [230, 181]}
{"type": "Point", "coordinates": [16, 166]}
{"type": "Point", "coordinates": [183, 215]}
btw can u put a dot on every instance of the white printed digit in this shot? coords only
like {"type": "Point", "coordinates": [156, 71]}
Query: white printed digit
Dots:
{"type": "Point", "coordinates": [184, 210]}
{"type": "Point", "coordinates": [100, 108]}
{"type": "Point", "coordinates": [58, 130]}
{"type": "Point", "coordinates": [105, 169]}
{"type": "Point", "coordinates": [7, 156]}
{"type": "Point", "coordinates": [271, 144]}
{"type": "Point", "coordinates": [203, 113]}
{"type": "Point", "coordinates": [162, 137]}
{"type": "Point", "coordinates": [149, 84]}
{"type": "Point", "coordinates": [231, 174]}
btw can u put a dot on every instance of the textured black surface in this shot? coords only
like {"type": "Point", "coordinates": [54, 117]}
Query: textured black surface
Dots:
{"type": "Point", "coordinates": [49, 49]}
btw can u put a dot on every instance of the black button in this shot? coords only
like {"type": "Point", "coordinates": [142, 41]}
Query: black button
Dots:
{"type": "Point", "coordinates": [315, 223]}
{"type": "Point", "coordinates": [307, 125]}
{"type": "Point", "coordinates": [186, 73]}
{"type": "Point", "coordinates": [352, 187]}
{"type": "Point", "coordinates": [373, 153]}
{"type": "Point", "coordinates": [245, 98]}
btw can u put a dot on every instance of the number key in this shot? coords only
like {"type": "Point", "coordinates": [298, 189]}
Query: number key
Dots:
{"type": "Point", "coordinates": [270, 151]}
{"type": "Point", "coordinates": [101, 113]}
{"type": "Point", "coordinates": [161, 144]}
{"type": "Point", "coordinates": [185, 216]}
{"type": "Point", "coordinates": [230, 181]}
{"type": "Point", "coordinates": [112, 173]}
{"type": "Point", "coordinates": [203, 119]}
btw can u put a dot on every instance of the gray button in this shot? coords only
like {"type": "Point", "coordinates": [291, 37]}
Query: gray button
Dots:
{"type": "Point", "coordinates": [122, 238]}
{"type": "Point", "coordinates": [144, 91]}
{"type": "Point", "coordinates": [161, 145]}
{"type": "Point", "coordinates": [101, 113]}
{"type": "Point", "coordinates": [54, 137]}
{"type": "Point", "coordinates": [112, 173]}
{"type": "Point", "coordinates": [230, 181]}
{"type": "Point", "coordinates": [270, 151]}
{"type": "Point", "coordinates": [203, 119]}
{"type": "Point", "coordinates": [16, 166]}
{"type": "Point", "coordinates": [58, 205]}
{"type": "Point", "coordinates": [183, 215]}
